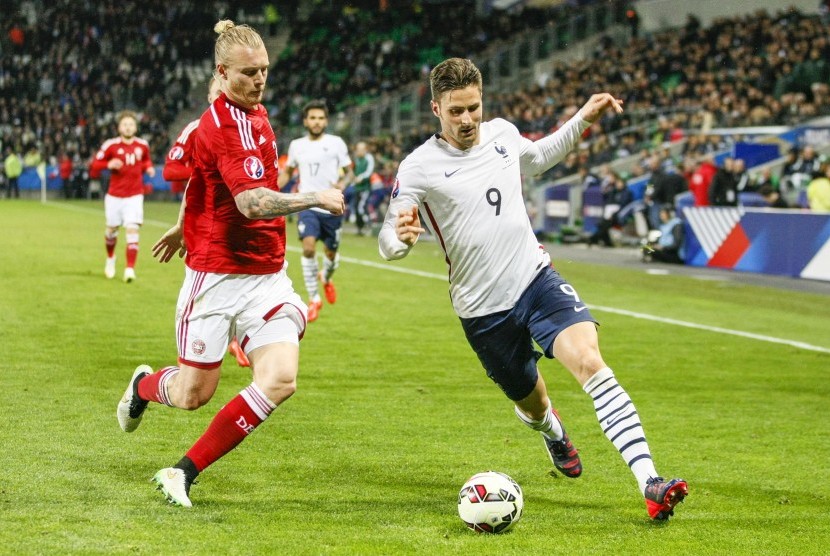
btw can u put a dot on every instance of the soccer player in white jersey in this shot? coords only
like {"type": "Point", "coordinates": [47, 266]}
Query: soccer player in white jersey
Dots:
{"type": "Point", "coordinates": [232, 225]}
{"type": "Point", "coordinates": [323, 162]}
{"type": "Point", "coordinates": [466, 180]}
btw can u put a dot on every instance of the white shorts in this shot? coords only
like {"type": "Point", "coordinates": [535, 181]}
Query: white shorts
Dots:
{"type": "Point", "coordinates": [124, 211]}
{"type": "Point", "coordinates": [212, 308]}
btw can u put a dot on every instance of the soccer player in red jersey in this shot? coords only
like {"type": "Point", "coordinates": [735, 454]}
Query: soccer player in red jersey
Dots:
{"type": "Point", "coordinates": [127, 157]}
{"type": "Point", "coordinates": [232, 228]}
{"type": "Point", "coordinates": [179, 163]}
{"type": "Point", "coordinates": [177, 170]}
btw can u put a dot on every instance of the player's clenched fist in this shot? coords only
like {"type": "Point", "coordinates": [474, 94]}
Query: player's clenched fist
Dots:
{"type": "Point", "coordinates": [408, 226]}
{"type": "Point", "coordinates": [332, 200]}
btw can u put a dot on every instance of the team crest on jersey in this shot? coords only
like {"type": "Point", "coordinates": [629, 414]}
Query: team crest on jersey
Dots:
{"type": "Point", "coordinates": [396, 188]}
{"type": "Point", "coordinates": [198, 347]}
{"type": "Point", "coordinates": [254, 167]}
{"type": "Point", "coordinates": [176, 153]}
{"type": "Point", "coordinates": [138, 154]}
{"type": "Point", "coordinates": [502, 151]}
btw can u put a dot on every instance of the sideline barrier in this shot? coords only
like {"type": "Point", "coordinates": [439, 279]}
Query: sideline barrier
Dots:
{"type": "Point", "coordinates": [768, 241]}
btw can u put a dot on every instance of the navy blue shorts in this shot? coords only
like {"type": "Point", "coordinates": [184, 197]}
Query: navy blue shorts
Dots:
{"type": "Point", "coordinates": [325, 227]}
{"type": "Point", "coordinates": [503, 341]}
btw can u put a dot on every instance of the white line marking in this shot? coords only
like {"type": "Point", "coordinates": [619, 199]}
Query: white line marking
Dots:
{"type": "Point", "coordinates": [443, 278]}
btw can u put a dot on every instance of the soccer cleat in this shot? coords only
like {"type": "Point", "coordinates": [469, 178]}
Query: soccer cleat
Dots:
{"type": "Point", "coordinates": [236, 350]}
{"type": "Point", "coordinates": [109, 268]}
{"type": "Point", "coordinates": [131, 407]}
{"type": "Point", "coordinates": [129, 274]}
{"type": "Point", "coordinates": [563, 454]}
{"type": "Point", "coordinates": [662, 497]}
{"type": "Point", "coordinates": [328, 289]}
{"type": "Point", "coordinates": [173, 483]}
{"type": "Point", "coordinates": [314, 310]}
{"type": "Point", "coordinates": [331, 293]}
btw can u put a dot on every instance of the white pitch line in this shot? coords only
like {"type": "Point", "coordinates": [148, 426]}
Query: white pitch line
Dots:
{"type": "Point", "coordinates": [443, 277]}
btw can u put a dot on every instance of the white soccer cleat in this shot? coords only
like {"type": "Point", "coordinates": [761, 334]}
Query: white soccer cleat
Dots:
{"type": "Point", "coordinates": [131, 407]}
{"type": "Point", "coordinates": [109, 268]}
{"type": "Point", "coordinates": [129, 274]}
{"type": "Point", "coordinates": [173, 484]}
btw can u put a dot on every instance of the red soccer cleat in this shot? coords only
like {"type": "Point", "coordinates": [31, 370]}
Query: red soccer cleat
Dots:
{"type": "Point", "coordinates": [314, 310]}
{"type": "Point", "coordinates": [331, 293]}
{"type": "Point", "coordinates": [236, 350]}
{"type": "Point", "coordinates": [662, 497]}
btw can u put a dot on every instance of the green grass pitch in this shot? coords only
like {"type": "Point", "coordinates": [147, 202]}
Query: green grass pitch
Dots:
{"type": "Point", "coordinates": [393, 413]}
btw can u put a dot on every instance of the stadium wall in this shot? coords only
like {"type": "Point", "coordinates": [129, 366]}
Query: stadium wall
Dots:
{"type": "Point", "coordinates": [656, 15]}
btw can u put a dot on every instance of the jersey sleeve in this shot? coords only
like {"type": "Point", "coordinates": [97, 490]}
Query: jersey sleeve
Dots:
{"type": "Point", "coordinates": [239, 159]}
{"type": "Point", "coordinates": [343, 158]}
{"type": "Point", "coordinates": [148, 159]}
{"type": "Point", "coordinates": [100, 160]}
{"type": "Point", "coordinates": [292, 161]}
{"type": "Point", "coordinates": [177, 166]}
{"type": "Point", "coordinates": [408, 190]}
{"type": "Point", "coordinates": [538, 156]}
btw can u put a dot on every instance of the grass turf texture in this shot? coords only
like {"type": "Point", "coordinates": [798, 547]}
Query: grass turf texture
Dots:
{"type": "Point", "coordinates": [393, 413]}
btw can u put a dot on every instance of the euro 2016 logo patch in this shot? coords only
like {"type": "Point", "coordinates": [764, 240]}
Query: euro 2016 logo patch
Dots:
{"type": "Point", "coordinates": [176, 153]}
{"type": "Point", "coordinates": [254, 167]}
{"type": "Point", "coordinates": [396, 188]}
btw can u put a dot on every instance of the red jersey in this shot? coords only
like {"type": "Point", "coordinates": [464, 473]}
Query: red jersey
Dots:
{"type": "Point", "coordinates": [129, 179]}
{"type": "Point", "coordinates": [700, 181]}
{"type": "Point", "coordinates": [179, 162]}
{"type": "Point", "coordinates": [235, 150]}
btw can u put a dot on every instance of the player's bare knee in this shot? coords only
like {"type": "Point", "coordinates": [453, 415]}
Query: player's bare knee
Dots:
{"type": "Point", "coordinates": [278, 392]}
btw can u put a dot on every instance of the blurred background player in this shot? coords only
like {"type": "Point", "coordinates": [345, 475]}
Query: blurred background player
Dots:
{"type": "Point", "coordinates": [468, 181]}
{"type": "Point", "coordinates": [323, 163]}
{"type": "Point", "coordinates": [364, 167]}
{"type": "Point", "coordinates": [232, 226]}
{"type": "Point", "coordinates": [127, 157]}
{"type": "Point", "coordinates": [177, 170]}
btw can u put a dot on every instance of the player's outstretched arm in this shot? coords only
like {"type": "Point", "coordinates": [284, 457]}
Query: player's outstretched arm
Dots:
{"type": "Point", "coordinates": [263, 203]}
{"type": "Point", "coordinates": [598, 104]}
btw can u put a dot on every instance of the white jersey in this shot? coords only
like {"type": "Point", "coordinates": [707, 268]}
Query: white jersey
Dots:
{"type": "Point", "coordinates": [319, 162]}
{"type": "Point", "coordinates": [472, 201]}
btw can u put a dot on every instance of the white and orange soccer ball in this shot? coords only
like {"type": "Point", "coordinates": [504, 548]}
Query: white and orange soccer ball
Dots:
{"type": "Point", "coordinates": [490, 502]}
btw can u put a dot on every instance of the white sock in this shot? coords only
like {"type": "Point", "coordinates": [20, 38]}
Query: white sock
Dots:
{"type": "Point", "coordinates": [310, 271]}
{"type": "Point", "coordinates": [621, 423]}
{"type": "Point", "coordinates": [330, 266]}
{"type": "Point", "coordinates": [549, 425]}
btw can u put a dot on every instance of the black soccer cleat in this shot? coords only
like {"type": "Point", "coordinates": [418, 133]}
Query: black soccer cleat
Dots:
{"type": "Point", "coordinates": [563, 454]}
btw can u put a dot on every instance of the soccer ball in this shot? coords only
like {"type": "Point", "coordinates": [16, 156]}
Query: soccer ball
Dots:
{"type": "Point", "coordinates": [490, 502]}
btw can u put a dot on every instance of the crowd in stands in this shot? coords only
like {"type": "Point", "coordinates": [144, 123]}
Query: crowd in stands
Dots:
{"type": "Point", "coordinates": [68, 66]}
{"type": "Point", "coordinates": [349, 53]}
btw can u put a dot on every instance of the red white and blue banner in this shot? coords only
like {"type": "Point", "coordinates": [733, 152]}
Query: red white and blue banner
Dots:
{"type": "Point", "coordinates": [769, 241]}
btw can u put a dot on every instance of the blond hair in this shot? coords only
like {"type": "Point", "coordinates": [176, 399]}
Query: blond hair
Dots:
{"type": "Point", "coordinates": [231, 35]}
{"type": "Point", "coordinates": [126, 114]}
{"type": "Point", "coordinates": [452, 74]}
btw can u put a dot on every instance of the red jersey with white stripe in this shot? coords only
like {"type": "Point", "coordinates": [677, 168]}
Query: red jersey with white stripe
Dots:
{"type": "Point", "coordinates": [179, 162]}
{"type": "Point", "coordinates": [128, 180]}
{"type": "Point", "coordinates": [235, 150]}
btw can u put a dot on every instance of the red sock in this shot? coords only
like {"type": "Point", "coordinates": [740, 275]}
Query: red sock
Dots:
{"type": "Point", "coordinates": [132, 254]}
{"type": "Point", "coordinates": [110, 243]}
{"type": "Point", "coordinates": [231, 425]}
{"type": "Point", "coordinates": [153, 387]}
